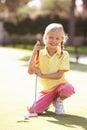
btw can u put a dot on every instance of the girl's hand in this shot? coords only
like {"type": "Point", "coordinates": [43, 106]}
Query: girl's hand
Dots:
{"type": "Point", "coordinates": [36, 48]}
{"type": "Point", "coordinates": [37, 71]}
{"type": "Point", "coordinates": [34, 58]}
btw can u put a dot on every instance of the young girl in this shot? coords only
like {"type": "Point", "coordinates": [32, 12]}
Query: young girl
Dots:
{"type": "Point", "coordinates": [53, 63]}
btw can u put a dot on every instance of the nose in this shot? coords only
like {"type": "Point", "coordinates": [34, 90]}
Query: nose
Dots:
{"type": "Point", "coordinates": [54, 40]}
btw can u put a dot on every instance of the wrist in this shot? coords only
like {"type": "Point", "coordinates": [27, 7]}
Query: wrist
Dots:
{"type": "Point", "coordinates": [41, 75]}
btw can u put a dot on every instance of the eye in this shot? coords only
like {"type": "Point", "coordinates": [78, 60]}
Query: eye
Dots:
{"type": "Point", "coordinates": [50, 37]}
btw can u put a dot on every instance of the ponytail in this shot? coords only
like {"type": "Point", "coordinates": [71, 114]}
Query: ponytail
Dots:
{"type": "Point", "coordinates": [62, 47]}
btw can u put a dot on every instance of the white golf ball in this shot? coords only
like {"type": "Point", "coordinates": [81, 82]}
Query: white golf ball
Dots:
{"type": "Point", "coordinates": [26, 116]}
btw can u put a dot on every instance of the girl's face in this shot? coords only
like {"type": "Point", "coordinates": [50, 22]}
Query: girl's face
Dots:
{"type": "Point", "coordinates": [53, 39]}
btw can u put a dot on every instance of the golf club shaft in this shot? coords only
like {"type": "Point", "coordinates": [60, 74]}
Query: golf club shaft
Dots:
{"type": "Point", "coordinates": [37, 62]}
{"type": "Point", "coordinates": [35, 94]}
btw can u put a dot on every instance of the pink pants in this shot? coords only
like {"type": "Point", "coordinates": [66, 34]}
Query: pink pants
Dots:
{"type": "Point", "coordinates": [45, 99]}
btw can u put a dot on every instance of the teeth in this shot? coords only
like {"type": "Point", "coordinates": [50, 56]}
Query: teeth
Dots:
{"type": "Point", "coordinates": [53, 44]}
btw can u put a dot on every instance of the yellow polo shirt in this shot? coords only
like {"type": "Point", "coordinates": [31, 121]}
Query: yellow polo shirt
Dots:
{"type": "Point", "coordinates": [50, 64]}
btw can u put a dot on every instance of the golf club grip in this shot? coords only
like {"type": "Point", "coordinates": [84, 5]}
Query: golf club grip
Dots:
{"type": "Point", "coordinates": [38, 43]}
{"type": "Point", "coordinates": [37, 55]}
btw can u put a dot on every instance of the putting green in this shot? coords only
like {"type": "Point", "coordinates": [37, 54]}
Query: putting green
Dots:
{"type": "Point", "coordinates": [17, 91]}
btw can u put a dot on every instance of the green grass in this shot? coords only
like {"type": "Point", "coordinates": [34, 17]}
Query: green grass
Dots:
{"type": "Point", "coordinates": [78, 67]}
{"type": "Point", "coordinates": [81, 50]}
{"type": "Point", "coordinates": [17, 90]}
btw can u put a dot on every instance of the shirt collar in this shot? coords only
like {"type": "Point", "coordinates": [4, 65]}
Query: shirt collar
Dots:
{"type": "Point", "coordinates": [45, 52]}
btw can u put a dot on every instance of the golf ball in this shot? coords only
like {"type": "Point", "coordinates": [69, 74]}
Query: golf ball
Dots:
{"type": "Point", "coordinates": [26, 116]}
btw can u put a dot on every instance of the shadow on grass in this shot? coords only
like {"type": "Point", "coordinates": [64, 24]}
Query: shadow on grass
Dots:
{"type": "Point", "coordinates": [67, 120]}
{"type": "Point", "coordinates": [22, 121]}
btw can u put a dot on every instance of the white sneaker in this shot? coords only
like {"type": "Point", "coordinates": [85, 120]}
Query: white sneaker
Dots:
{"type": "Point", "coordinates": [58, 104]}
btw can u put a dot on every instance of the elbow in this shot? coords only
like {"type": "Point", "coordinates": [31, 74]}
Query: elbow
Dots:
{"type": "Point", "coordinates": [30, 71]}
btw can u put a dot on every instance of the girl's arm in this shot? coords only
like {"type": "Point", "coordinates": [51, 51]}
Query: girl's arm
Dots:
{"type": "Point", "coordinates": [31, 66]}
{"type": "Point", "coordinates": [55, 75]}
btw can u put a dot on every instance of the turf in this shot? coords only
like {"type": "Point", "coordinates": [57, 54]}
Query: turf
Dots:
{"type": "Point", "coordinates": [17, 91]}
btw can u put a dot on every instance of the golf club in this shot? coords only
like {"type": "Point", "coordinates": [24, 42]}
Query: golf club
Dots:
{"type": "Point", "coordinates": [26, 116]}
{"type": "Point", "coordinates": [36, 64]}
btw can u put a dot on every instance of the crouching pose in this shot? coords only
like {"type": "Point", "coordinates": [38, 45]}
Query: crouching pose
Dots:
{"type": "Point", "coordinates": [53, 64]}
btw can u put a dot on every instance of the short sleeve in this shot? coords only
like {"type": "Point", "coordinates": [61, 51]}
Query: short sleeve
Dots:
{"type": "Point", "coordinates": [64, 63]}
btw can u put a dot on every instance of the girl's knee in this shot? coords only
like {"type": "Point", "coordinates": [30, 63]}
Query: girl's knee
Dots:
{"type": "Point", "coordinates": [30, 109]}
{"type": "Point", "coordinates": [67, 90]}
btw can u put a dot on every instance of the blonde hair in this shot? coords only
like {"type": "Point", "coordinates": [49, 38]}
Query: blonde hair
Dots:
{"type": "Point", "coordinates": [51, 27]}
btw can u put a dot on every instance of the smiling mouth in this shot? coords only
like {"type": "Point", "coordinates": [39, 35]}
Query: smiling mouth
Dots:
{"type": "Point", "coordinates": [52, 44]}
